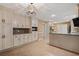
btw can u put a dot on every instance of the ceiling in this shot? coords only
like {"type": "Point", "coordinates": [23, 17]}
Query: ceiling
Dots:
{"type": "Point", "coordinates": [47, 11]}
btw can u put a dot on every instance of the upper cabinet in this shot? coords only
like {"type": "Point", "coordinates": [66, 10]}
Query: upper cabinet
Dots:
{"type": "Point", "coordinates": [27, 22]}
{"type": "Point", "coordinates": [6, 15]}
{"type": "Point", "coordinates": [1, 14]}
{"type": "Point", "coordinates": [34, 22]}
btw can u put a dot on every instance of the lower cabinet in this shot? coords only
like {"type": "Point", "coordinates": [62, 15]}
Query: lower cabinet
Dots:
{"type": "Point", "coordinates": [34, 35]}
{"type": "Point", "coordinates": [16, 40]}
{"type": "Point", "coordinates": [7, 36]}
{"type": "Point", "coordinates": [0, 42]}
{"type": "Point", "coordinates": [30, 38]}
{"type": "Point", "coordinates": [26, 38]}
{"type": "Point", "coordinates": [22, 39]}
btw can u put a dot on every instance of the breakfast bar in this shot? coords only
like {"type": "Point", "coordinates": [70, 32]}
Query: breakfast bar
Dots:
{"type": "Point", "coordinates": [66, 41]}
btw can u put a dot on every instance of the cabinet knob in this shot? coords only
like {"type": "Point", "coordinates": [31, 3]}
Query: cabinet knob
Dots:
{"type": "Point", "coordinates": [3, 36]}
{"type": "Point", "coordinates": [15, 36]}
{"type": "Point", "coordinates": [3, 20]}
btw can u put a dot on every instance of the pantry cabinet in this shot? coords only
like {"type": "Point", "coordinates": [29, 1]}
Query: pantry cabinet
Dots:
{"type": "Point", "coordinates": [0, 30]}
{"type": "Point", "coordinates": [34, 29]}
{"type": "Point", "coordinates": [8, 21]}
{"type": "Point", "coordinates": [0, 37]}
{"type": "Point", "coordinates": [8, 37]}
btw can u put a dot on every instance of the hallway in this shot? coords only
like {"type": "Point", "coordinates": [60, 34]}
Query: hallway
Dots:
{"type": "Point", "coordinates": [37, 48]}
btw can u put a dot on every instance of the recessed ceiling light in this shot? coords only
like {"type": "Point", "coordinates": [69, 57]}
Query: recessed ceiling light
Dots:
{"type": "Point", "coordinates": [53, 15]}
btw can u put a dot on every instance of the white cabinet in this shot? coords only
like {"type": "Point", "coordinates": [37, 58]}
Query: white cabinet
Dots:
{"type": "Point", "coordinates": [16, 40]}
{"type": "Point", "coordinates": [26, 38]}
{"type": "Point", "coordinates": [34, 35]}
{"type": "Point", "coordinates": [8, 20]}
{"type": "Point", "coordinates": [29, 37]}
{"type": "Point", "coordinates": [0, 15]}
{"type": "Point", "coordinates": [7, 31]}
{"type": "Point", "coordinates": [22, 39]}
{"type": "Point", "coordinates": [15, 22]}
{"type": "Point", "coordinates": [0, 37]}
{"type": "Point", "coordinates": [27, 22]}
{"type": "Point", "coordinates": [18, 22]}
{"type": "Point", "coordinates": [0, 29]}
{"type": "Point", "coordinates": [8, 37]}
{"type": "Point", "coordinates": [34, 22]}
{"type": "Point", "coordinates": [6, 14]}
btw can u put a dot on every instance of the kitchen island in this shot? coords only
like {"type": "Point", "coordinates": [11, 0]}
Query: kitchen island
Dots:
{"type": "Point", "coordinates": [67, 41]}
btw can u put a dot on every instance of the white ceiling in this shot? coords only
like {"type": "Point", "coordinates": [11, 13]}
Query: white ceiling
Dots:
{"type": "Point", "coordinates": [48, 11]}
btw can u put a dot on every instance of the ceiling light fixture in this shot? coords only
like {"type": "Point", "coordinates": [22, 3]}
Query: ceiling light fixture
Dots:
{"type": "Point", "coordinates": [53, 15]}
{"type": "Point", "coordinates": [31, 10]}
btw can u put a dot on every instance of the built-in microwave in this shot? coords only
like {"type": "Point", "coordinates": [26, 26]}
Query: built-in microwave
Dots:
{"type": "Point", "coordinates": [34, 29]}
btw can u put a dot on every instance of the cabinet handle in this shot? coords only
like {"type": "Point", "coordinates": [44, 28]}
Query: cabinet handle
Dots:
{"type": "Point", "coordinates": [15, 36]}
{"type": "Point", "coordinates": [3, 36]}
{"type": "Point", "coordinates": [3, 20]}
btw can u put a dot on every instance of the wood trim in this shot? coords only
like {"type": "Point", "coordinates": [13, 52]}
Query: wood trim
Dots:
{"type": "Point", "coordinates": [65, 49]}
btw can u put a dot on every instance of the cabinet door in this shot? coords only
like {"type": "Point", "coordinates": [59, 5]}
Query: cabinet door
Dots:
{"type": "Point", "coordinates": [0, 15]}
{"type": "Point", "coordinates": [26, 38]}
{"type": "Point", "coordinates": [6, 14]}
{"type": "Point", "coordinates": [29, 38]}
{"type": "Point", "coordinates": [15, 22]}
{"type": "Point", "coordinates": [22, 38]}
{"type": "Point", "coordinates": [34, 36]}
{"type": "Point", "coordinates": [23, 22]}
{"type": "Point", "coordinates": [0, 37]}
{"type": "Point", "coordinates": [27, 22]}
{"type": "Point", "coordinates": [0, 28]}
{"type": "Point", "coordinates": [8, 36]}
{"type": "Point", "coordinates": [16, 40]}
